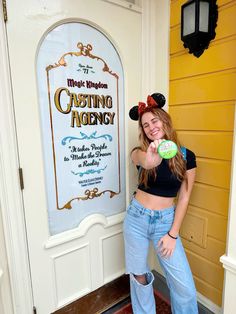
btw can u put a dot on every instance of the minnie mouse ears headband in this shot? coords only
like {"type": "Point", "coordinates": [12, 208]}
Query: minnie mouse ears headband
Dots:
{"type": "Point", "coordinates": [156, 100]}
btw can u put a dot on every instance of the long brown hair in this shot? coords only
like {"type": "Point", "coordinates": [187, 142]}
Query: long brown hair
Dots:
{"type": "Point", "coordinates": [177, 164]}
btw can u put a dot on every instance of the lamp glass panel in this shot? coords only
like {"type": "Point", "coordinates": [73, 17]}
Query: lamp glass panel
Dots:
{"type": "Point", "coordinates": [204, 16]}
{"type": "Point", "coordinates": [189, 19]}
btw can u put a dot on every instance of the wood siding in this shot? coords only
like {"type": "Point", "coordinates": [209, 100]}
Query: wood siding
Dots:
{"type": "Point", "coordinates": [202, 103]}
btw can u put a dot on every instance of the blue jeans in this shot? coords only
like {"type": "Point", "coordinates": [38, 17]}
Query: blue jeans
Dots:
{"type": "Point", "coordinates": [142, 225]}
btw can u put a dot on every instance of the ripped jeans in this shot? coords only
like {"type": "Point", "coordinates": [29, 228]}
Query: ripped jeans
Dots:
{"type": "Point", "coordinates": [142, 225]}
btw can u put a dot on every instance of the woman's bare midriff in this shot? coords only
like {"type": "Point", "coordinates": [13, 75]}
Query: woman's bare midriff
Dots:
{"type": "Point", "coordinates": [153, 201]}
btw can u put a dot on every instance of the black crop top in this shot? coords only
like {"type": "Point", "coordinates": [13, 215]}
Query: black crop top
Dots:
{"type": "Point", "coordinates": [166, 183]}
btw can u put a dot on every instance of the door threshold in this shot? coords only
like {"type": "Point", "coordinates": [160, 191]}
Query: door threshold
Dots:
{"type": "Point", "coordinates": [100, 300]}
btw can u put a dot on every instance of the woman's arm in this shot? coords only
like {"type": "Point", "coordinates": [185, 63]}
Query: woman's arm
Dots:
{"type": "Point", "coordinates": [149, 159]}
{"type": "Point", "coordinates": [166, 244]}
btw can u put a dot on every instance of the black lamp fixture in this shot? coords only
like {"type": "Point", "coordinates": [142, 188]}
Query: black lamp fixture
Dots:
{"type": "Point", "coordinates": [198, 23]}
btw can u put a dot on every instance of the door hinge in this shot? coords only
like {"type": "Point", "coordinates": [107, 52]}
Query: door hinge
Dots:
{"type": "Point", "coordinates": [34, 310]}
{"type": "Point", "coordinates": [4, 9]}
{"type": "Point", "coordinates": [21, 178]}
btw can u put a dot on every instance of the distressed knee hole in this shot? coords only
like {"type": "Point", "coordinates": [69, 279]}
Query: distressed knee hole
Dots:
{"type": "Point", "coordinates": [141, 279]}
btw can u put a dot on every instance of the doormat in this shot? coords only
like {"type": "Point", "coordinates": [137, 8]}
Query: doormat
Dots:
{"type": "Point", "coordinates": [162, 306]}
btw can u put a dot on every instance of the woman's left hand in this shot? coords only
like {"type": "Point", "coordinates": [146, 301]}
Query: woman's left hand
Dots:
{"type": "Point", "coordinates": [166, 246]}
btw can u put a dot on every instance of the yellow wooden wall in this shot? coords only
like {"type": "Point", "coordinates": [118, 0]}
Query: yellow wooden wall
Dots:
{"type": "Point", "coordinates": [202, 100]}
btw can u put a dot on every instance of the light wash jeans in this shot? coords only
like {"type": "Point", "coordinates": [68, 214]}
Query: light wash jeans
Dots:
{"type": "Point", "coordinates": [142, 225]}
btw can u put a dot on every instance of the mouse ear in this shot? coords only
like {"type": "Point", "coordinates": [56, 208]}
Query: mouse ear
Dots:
{"type": "Point", "coordinates": [159, 99]}
{"type": "Point", "coordinates": [133, 113]}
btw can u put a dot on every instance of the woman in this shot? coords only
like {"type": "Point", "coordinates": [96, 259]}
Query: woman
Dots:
{"type": "Point", "coordinates": [152, 215]}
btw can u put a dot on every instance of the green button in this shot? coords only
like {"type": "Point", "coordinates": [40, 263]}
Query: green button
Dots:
{"type": "Point", "coordinates": [167, 149]}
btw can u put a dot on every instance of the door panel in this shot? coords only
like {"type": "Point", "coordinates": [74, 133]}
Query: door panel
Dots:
{"type": "Point", "coordinates": [70, 264]}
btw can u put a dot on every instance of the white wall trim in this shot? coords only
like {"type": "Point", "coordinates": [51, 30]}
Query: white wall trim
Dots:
{"type": "Point", "coordinates": [155, 45]}
{"type": "Point", "coordinates": [148, 55]}
{"type": "Point", "coordinates": [229, 263]}
{"type": "Point", "coordinates": [10, 194]}
{"type": "Point", "coordinates": [231, 234]}
{"type": "Point", "coordinates": [125, 4]}
{"type": "Point", "coordinates": [229, 259]}
{"type": "Point", "coordinates": [155, 55]}
{"type": "Point", "coordinates": [1, 275]}
{"type": "Point", "coordinates": [208, 304]}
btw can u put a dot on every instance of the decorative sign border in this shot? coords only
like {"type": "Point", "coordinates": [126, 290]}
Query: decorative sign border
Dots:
{"type": "Point", "coordinates": [84, 51]}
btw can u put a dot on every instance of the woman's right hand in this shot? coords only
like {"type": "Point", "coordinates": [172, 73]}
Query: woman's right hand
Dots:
{"type": "Point", "coordinates": [153, 159]}
{"type": "Point", "coordinates": [149, 159]}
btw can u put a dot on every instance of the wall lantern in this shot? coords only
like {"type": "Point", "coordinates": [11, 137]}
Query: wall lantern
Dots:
{"type": "Point", "coordinates": [198, 23]}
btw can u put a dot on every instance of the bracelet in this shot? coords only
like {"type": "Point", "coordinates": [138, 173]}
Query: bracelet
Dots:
{"type": "Point", "coordinates": [175, 238]}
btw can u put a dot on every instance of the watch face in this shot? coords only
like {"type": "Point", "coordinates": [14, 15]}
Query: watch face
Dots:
{"type": "Point", "coordinates": [167, 149]}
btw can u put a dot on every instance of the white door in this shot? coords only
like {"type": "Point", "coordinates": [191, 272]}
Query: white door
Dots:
{"type": "Point", "coordinates": [70, 263]}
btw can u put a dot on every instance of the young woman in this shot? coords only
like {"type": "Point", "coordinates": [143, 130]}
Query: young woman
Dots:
{"type": "Point", "coordinates": [153, 216]}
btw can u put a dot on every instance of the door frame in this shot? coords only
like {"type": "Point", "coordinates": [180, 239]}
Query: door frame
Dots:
{"type": "Point", "coordinates": [10, 192]}
{"type": "Point", "coordinates": [153, 22]}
